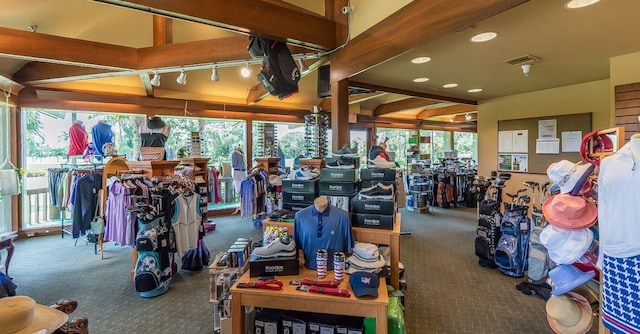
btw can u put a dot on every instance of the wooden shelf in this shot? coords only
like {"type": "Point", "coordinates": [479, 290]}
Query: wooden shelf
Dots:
{"type": "Point", "coordinates": [154, 168]}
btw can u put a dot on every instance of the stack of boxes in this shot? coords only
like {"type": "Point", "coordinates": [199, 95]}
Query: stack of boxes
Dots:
{"type": "Point", "coordinates": [271, 321]}
{"type": "Point", "coordinates": [373, 212]}
{"type": "Point", "coordinates": [239, 253]}
{"type": "Point", "coordinates": [298, 194]}
{"type": "Point", "coordinates": [339, 185]}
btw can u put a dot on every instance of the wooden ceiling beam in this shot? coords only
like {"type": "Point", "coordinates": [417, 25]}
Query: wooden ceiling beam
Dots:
{"type": "Point", "coordinates": [325, 104]}
{"type": "Point", "coordinates": [253, 17]}
{"type": "Point", "coordinates": [406, 104]}
{"type": "Point", "coordinates": [36, 73]}
{"type": "Point", "coordinates": [7, 84]}
{"type": "Point", "coordinates": [48, 48]}
{"type": "Point", "coordinates": [409, 92]}
{"type": "Point", "coordinates": [450, 110]}
{"type": "Point", "coordinates": [417, 23]}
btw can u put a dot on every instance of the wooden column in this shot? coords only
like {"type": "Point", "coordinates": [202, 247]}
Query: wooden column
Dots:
{"type": "Point", "coordinates": [340, 113]}
{"type": "Point", "coordinates": [162, 30]}
{"type": "Point", "coordinates": [249, 142]}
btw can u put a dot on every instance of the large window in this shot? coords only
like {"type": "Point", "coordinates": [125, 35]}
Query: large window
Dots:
{"type": "Point", "coordinates": [440, 142]}
{"type": "Point", "coordinates": [466, 143]}
{"type": "Point", "coordinates": [290, 139]}
{"type": "Point", "coordinates": [5, 204]}
{"type": "Point", "coordinates": [397, 143]}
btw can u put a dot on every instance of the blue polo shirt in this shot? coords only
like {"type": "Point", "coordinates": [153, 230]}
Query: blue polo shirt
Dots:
{"type": "Point", "coordinates": [330, 230]}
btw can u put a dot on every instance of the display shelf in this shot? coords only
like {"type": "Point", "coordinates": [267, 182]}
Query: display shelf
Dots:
{"type": "Point", "coordinates": [291, 299]}
{"type": "Point", "coordinates": [154, 168]}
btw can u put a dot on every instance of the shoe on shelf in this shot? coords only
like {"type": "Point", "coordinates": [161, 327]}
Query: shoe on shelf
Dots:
{"type": "Point", "coordinates": [277, 246]}
{"type": "Point", "coordinates": [343, 162]}
{"type": "Point", "coordinates": [305, 173]}
{"type": "Point", "coordinates": [379, 191]}
{"type": "Point", "coordinates": [346, 150]}
{"type": "Point", "coordinates": [380, 162]}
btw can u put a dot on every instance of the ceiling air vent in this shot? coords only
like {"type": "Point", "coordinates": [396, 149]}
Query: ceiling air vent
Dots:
{"type": "Point", "coordinates": [526, 59]}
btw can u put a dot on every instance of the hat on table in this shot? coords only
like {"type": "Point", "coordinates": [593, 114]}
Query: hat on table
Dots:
{"type": "Point", "coordinates": [566, 277]}
{"type": "Point", "coordinates": [568, 175]}
{"type": "Point", "coordinates": [22, 315]}
{"type": "Point", "coordinates": [365, 256]}
{"type": "Point", "coordinates": [364, 284]}
{"type": "Point", "coordinates": [570, 212]}
{"type": "Point", "coordinates": [565, 246]}
{"type": "Point", "coordinates": [569, 314]}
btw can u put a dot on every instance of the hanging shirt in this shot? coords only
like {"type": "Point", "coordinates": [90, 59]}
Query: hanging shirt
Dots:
{"type": "Point", "coordinates": [618, 209]}
{"type": "Point", "coordinates": [153, 137]}
{"type": "Point", "coordinates": [78, 139]}
{"type": "Point", "coordinates": [330, 230]}
{"type": "Point", "coordinates": [101, 134]}
{"type": "Point", "coordinates": [238, 162]}
{"type": "Point", "coordinates": [186, 222]}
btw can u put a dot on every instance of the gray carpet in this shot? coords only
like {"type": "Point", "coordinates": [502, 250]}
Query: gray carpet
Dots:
{"type": "Point", "coordinates": [447, 291]}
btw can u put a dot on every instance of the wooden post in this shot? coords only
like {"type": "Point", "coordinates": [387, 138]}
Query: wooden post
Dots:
{"type": "Point", "coordinates": [340, 114]}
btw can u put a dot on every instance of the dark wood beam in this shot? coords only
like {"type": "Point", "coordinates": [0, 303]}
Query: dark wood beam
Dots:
{"type": "Point", "coordinates": [325, 104]}
{"type": "Point", "coordinates": [48, 48]}
{"type": "Point", "coordinates": [7, 84]}
{"type": "Point", "coordinates": [162, 30]}
{"type": "Point", "coordinates": [406, 104]}
{"type": "Point", "coordinates": [450, 110]}
{"type": "Point", "coordinates": [390, 122]}
{"type": "Point", "coordinates": [410, 92]}
{"type": "Point", "coordinates": [254, 17]}
{"type": "Point", "coordinates": [417, 23]}
{"type": "Point", "coordinates": [339, 114]}
{"type": "Point", "coordinates": [37, 73]}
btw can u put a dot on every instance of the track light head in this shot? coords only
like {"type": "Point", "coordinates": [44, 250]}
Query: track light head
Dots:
{"type": "Point", "coordinates": [245, 71]}
{"type": "Point", "coordinates": [182, 78]}
{"type": "Point", "coordinates": [214, 74]}
{"type": "Point", "coordinates": [304, 69]}
{"type": "Point", "coordinates": [155, 81]}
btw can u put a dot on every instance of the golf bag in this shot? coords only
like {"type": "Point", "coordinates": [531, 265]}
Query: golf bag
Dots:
{"type": "Point", "coordinates": [153, 270]}
{"type": "Point", "coordinates": [512, 253]}
{"type": "Point", "coordinates": [488, 232]}
{"type": "Point", "coordinates": [539, 261]}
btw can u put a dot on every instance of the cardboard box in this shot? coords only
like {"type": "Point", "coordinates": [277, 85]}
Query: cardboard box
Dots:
{"type": "Point", "coordinates": [339, 175]}
{"type": "Point", "coordinates": [373, 221]}
{"type": "Point", "coordinates": [378, 174]}
{"type": "Point", "coordinates": [267, 321]}
{"type": "Point", "coordinates": [331, 188]}
{"type": "Point", "coordinates": [321, 323]}
{"type": "Point", "coordinates": [305, 198]}
{"type": "Point", "coordinates": [349, 325]}
{"type": "Point", "coordinates": [295, 207]}
{"type": "Point", "coordinates": [295, 322]}
{"type": "Point", "coordinates": [373, 206]}
{"type": "Point", "coordinates": [280, 266]}
{"type": "Point", "coordinates": [300, 186]}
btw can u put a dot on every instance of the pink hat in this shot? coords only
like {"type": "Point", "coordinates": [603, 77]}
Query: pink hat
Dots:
{"type": "Point", "coordinates": [570, 212]}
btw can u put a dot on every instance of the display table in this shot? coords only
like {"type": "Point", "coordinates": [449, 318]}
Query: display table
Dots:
{"type": "Point", "coordinates": [291, 299]}
{"type": "Point", "coordinates": [6, 242]}
{"type": "Point", "coordinates": [371, 235]}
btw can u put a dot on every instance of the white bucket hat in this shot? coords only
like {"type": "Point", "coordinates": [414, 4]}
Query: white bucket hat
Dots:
{"type": "Point", "coordinates": [565, 246]}
{"type": "Point", "coordinates": [567, 174]}
{"type": "Point", "coordinates": [366, 255]}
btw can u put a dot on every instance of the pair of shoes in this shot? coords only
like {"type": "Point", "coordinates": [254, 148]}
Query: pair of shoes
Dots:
{"type": "Point", "coordinates": [346, 150]}
{"type": "Point", "coordinates": [379, 191]}
{"type": "Point", "coordinates": [380, 162]}
{"type": "Point", "coordinates": [280, 247]}
{"type": "Point", "coordinates": [305, 173]}
{"type": "Point", "coordinates": [344, 162]}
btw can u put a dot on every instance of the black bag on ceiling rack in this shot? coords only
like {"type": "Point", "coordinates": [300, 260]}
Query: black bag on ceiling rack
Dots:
{"type": "Point", "coordinates": [279, 74]}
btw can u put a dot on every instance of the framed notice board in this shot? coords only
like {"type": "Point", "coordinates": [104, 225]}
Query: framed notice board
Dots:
{"type": "Point", "coordinates": [530, 145]}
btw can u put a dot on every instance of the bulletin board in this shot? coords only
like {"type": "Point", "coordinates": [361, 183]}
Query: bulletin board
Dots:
{"type": "Point", "coordinates": [537, 163]}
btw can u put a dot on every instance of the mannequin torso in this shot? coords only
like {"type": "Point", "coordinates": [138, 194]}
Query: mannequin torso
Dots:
{"type": "Point", "coordinates": [634, 146]}
{"type": "Point", "coordinates": [321, 204]}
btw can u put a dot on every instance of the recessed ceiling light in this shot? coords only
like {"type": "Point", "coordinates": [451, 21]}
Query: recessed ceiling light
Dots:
{"type": "Point", "coordinates": [484, 37]}
{"type": "Point", "coordinates": [475, 90]}
{"type": "Point", "coordinates": [420, 79]}
{"type": "Point", "coordinates": [421, 60]}
{"type": "Point", "coordinates": [573, 4]}
{"type": "Point", "coordinates": [450, 85]}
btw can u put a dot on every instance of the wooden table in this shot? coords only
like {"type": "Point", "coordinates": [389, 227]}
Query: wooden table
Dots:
{"type": "Point", "coordinates": [291, 299]}
{"type": "Point", "coordinates": [6, 242]}
{"type": "Point", "coordinates": [372, 235]}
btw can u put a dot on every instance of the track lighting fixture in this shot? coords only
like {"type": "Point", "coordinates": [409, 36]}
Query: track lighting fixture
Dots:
{"type": "Point", "coordinates": [302, 66]}
{"type": "Point", "coordinates": [245, 71]}
{"type": "Point", "coordinates": [155, 81]}
{"type": "Point", "coordinates": [182, 78]}
{"type": "Point", "coordinates": [214, 74]}
{"type": "Point", "coordinates": [468, 117]}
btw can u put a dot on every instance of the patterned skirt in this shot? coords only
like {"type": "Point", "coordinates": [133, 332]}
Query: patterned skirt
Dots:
{"type": "Point", "coordinates": [621, 294]}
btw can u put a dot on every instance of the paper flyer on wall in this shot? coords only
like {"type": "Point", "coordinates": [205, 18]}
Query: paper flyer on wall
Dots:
{"type": "Point", "coordinates": [548, 146]}
{"type": "Point", "coordinates": [547, 128]}
{"type": "Point", "coordinates": [571, 141]}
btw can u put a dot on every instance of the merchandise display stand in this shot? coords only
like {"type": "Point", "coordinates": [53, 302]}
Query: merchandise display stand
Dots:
{"type": "Point", "coordinates": [153, 168]}
{"type": "Point", "coordinates": [220, 279]}
{"type": "Point", "coordinates": [270, 164]}
{"type": "Point", "coordinates": [371, 235]}
{"type": "Point", "coordinates": [291, 299]}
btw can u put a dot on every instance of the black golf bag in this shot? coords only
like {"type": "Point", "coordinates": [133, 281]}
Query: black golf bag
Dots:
{"type": "Point", "coordinates": [488, 232]}
{"type": "Point", "coordinates": [512, 252]}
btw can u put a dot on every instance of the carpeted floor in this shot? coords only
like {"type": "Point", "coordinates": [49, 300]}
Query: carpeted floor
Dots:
{"type": "Point", "coordinates": [447, 291]}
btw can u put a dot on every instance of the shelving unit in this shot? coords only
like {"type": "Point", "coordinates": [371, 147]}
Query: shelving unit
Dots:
{"type": "Point", "coordinates": [421, 190]}
{"type": "Point", "coordinates": [315, 132]}
{"type": "Point", "coordinates": [422, 148]}
{"type": "Point", "coordinates": [220, 281]}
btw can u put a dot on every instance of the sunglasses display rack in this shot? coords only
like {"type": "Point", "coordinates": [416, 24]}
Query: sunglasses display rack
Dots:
{"type": "Point", "coordinates": [266, 140]}
{"type": "Point", "coordinates": [315, 135]}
